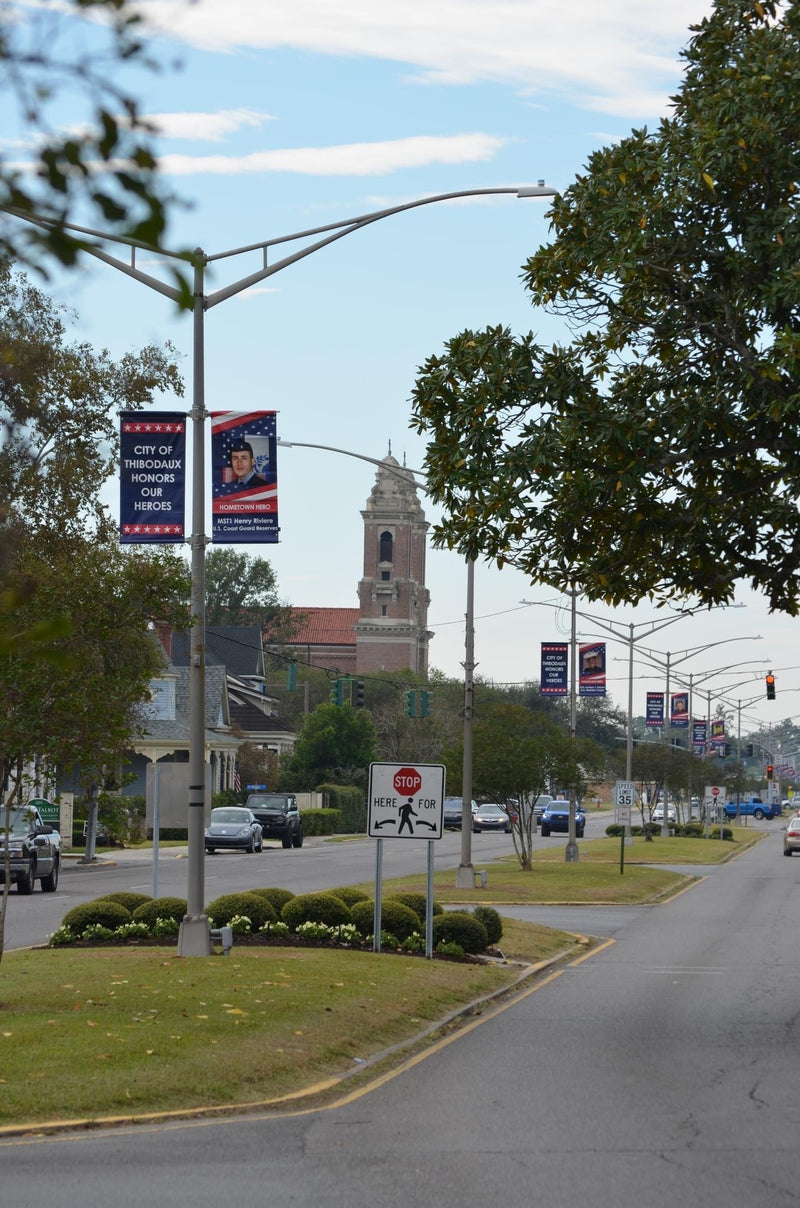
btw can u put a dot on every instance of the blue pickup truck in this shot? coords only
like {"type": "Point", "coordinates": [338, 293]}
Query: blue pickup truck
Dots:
{"type": "Point", "coordinates": [750, 807]}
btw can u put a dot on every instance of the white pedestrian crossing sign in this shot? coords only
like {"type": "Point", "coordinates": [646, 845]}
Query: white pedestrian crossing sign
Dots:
{"type": "Point", "coordinates": [406, 800]}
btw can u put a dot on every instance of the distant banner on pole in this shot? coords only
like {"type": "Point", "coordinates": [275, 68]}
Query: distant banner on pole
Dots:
{"type": "Point", "coordinates": [592, 669]}
{"type": "Point", "coordinates": [699, 736]}
{"type": "Point", "coordinates": [244, 485]}
{"type": "Point", "coordinates": [654, 715]}
{"type": "Point", "coordinates": [718, 732]}
{"type": "Point", "coordinates": [152, 451]}
{"type": "Point", "coordinates": [554, 681]}
{"type": "Point", "coordinates": [679, 709]}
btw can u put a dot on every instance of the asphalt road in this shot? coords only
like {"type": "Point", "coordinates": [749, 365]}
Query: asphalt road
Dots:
{"type": "Point", "coordinates": [659, 1071]}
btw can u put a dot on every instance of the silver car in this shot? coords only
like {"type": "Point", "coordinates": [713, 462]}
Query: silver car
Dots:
{"type": "Point", "coordinates": [791, 836]}
{"type": "Point", "coordinates": [233, 828]}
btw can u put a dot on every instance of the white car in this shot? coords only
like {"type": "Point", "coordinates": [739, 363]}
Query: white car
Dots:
{"type": "Point", "coordinates": [658, 814]}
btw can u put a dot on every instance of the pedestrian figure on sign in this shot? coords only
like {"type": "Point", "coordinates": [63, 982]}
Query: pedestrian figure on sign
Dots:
{"type": "Point", "coordinates": [406, 814]}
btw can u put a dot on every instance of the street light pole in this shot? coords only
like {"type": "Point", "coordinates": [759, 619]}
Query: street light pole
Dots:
{"type": "Point", "coordinates": [195, 936]}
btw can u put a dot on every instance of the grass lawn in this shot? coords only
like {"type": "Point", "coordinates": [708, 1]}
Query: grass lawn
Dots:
{"type": "Point", "coordinates": [106, 1032]}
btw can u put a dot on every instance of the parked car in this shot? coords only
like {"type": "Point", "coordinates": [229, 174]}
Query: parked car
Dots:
{"type": "Point", "coordinates": [556, 818]}
{"type": "Point", "coordinates": [452, 812]}
{"type": "Point", "coordinates": [658, 814]}
{"type": "Point", "coordinates": [233, 827]}
{"type": "Point", "coordinates": [278, 816]}
{"type": "Point", "coordinates": [752, 807]}
{"type": "Point", "coordinates": [490, 817]}
{"type": "Point", "coordinates": [791, 836]}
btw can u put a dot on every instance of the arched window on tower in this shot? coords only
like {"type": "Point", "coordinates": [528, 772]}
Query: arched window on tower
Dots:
{"type": "Point", "coordinates": [385, 547]}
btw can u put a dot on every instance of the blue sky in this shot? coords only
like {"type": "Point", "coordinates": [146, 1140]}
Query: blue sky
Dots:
{"type": "Point", "coordinates": [284, 116]}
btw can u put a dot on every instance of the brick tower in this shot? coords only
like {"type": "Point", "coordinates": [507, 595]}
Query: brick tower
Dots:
{"type": "Point", "coordinates": [391, 632]}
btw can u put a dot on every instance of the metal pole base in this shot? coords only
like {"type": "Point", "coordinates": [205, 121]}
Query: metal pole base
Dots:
{"type": "Point", "coordinates": [571, 853]}
{"type": "Point", "coordinates": [465, 877]}
{"type": "Point", "coordinates": [194, 937]}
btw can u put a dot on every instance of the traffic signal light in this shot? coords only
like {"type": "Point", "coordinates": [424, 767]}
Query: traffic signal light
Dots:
{"type": "Point", "coordinates": [291, 677]}
{"type": "Point", "coordinates": [411, 702]}
{"type": "Point", "coordinates": [749, 750]}
{"type": "Point", "coordinates": [359, 695]}
{"type": "Point", "coordinates": [424, 703]}
{"type": "Point", "coordinates": [770, 771]}
{"type": "Point", "coordinates": [770, 686]}
{"type": "Point", "coordinates": [337, 692]}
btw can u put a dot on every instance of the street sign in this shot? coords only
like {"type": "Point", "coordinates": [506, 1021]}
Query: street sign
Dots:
{"type": "Point", "coordinates": [405, 800]}
{"type": "Point", "coordinates": [624, 793]}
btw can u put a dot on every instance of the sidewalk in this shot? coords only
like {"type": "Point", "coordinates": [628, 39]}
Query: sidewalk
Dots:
{"type": "Point", "coordinates": [109, 857]}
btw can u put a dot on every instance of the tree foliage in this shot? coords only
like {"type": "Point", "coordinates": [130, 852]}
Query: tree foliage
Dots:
{"type": "Point", "coordinates": [657, 452]}
{"type": "Point", "coordinates": [336, 744]}
{"type": "Point", "coordinates": [243, 590]}
{"type": "Point", "coordinates": [74, 58]}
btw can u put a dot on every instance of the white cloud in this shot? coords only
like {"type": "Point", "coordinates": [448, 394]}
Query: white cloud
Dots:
{"type": "Point", "coordinates": [613, 55]}
{"type": "Point", "coordinates": [206, 127]}
{"type": "Point", "coordinates": [349, 159]}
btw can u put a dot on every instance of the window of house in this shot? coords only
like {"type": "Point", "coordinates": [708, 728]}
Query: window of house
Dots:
{"type": "Point", "coordinates": [384, 610]}
{"type": "Point", "coordinates": [385, 547]}
{"type": "Point", "coordinates": [386, 575]}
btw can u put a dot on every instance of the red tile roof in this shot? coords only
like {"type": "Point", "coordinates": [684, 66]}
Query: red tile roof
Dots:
{"type": "Point", "coordinates": [325, 627]}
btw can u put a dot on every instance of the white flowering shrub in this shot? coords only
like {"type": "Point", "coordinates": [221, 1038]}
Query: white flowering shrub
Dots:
{"type": "Point", "coordinates": [240, 924]}
{"type": "Point", "coordinates": [61, 936]}
{"type": "Point", "coordinates": [166, 927]}
{"type": "Point", "coordinates": [130, 931]}
{"type": "Point", "coordinates": [96, 931]}
{"type": "Point", "coordinates": [276, 929]}
{"type": "Point", "coordinates": [316, 931]}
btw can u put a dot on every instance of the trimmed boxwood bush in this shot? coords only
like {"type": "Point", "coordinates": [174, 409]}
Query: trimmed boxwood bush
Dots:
{"type": "Point", "coordinates": [315, 908]}
{"type": "Point", "coordinates": [416, 902]}
{"type": "Point", "coordinates": [107, 914]}
{"type": "Point", "coordinates": [455, 927]}
{"type": "Point", "coordinates": [127, 899]}
{"type": "Point", "coordinates": [350, 895]}
{"type": "Point", "coordinates": [276, 897]}
{"type": "Point", "coordinates": [396, 918]}
{"type": "Point", "coordinates": [491, 921]}
{"type": "Point", "coordinates": [320, 822]}
{"type": "Point", "coordinates": [254, 905]}
{"type": "Point", "coordinates": [160, 908]}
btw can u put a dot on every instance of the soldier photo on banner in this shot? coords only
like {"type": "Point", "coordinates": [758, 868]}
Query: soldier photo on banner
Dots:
{"type": "Point", "coordinates": [244, 477]}
{"type": "Point", "coordinates": [592, 669]}
{"type": "Point", "coordinates": [679, 709]}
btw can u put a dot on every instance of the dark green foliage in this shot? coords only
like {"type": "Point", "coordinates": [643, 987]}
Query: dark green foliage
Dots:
{"type": "Point", "coordinates": [491, 921]}
{"type": "Point", "coordinates": [127, 899]}
{"type": "Point", "coordinates": [160, 908]}
{"type": "Point", "coordinates": [350, 895]}
{"type": "Point", "coordinates": [463, 929]}
{"type": "Point", "coordinates": [315, 908]}
{"type": "Point", "coordinates": [276, 897]}
{"type": "Point", "coordinates": [694, 830]}
{"type": "Point", "coordinates": [351, 804]}
{"type": "Point", "coordinates": [416, 902]}
{"type": "Point", "coordinates": [257, 908]}
{"type": "Point", "coordinates": [727, 833]}
{"type": "Point", "coordinates": [320, 822]}
{"type": "Point", "coordinates": [400, 920]}
{"type": "Point", "coordinates": [107, 914]}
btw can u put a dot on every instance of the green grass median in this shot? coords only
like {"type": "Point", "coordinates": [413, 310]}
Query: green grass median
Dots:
{"type": "Point", "coordinates": [88, 1034]}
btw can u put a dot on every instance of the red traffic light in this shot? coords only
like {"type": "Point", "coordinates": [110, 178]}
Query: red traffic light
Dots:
{"type": "Point", "coordinates": [770, 770]}
{"type": "Point", "coordinates": [770, 686]}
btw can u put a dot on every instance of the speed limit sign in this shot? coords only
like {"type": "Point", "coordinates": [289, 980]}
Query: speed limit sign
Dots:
{"type": "Point", "coordinates": [624, 793]}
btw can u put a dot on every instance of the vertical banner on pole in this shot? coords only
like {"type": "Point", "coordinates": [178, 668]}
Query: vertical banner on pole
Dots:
{"type": "Point", "coordinates": [244, 482]}
{"type": "Point", "coordinates": [679, 709]}
{"type": "Point", "coordinates": [654, 709]}
{"type": "Point", "coordinates": [554, 669]}
{"type": "Point", "coordinates": [592, 669]}
{"type": "Point", "coordinates": [699, 736]}
{"type": "Point", "coordinates": [152, 461]}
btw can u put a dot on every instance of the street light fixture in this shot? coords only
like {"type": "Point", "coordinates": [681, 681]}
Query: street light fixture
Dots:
{"type": "Point", "coordinates": [195, 936]}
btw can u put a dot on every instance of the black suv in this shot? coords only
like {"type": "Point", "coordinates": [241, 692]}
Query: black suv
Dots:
{"type": "Point", "coordinates": [279, 817]}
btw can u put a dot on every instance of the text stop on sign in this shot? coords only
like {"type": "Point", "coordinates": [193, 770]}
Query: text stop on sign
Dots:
{"type": "Point", "coordinates": [407, 780]}
{"type": "Point", "coordinates": [405, 801]}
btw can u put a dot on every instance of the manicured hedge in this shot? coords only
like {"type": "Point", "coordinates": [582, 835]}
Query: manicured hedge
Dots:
{"type": "Point", "coordinates": [416, 902]}
{"type": "Point", "coordinates": [351, 804]}
{"type": "Point", "coordinates": [127, 899]}
{"type": "Point", "coordinates": [401, 921]}
{"type": "Point", "coordinates": [276, 897]}
{"type": "Point", "coordinates": [320, 822]}
{"type": "Point", "coordinates": [101, 911]}
{"type": "Point", "coordinates": [455, 927]}
{"type": "Point", "coordinates": [160, 908]}
{"type": "Point", "coordinates": [491, 921]}
{"type": "Point", "coordinates": [254, 905]}
{"type": "Point", "coordinates": [315, 908]}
